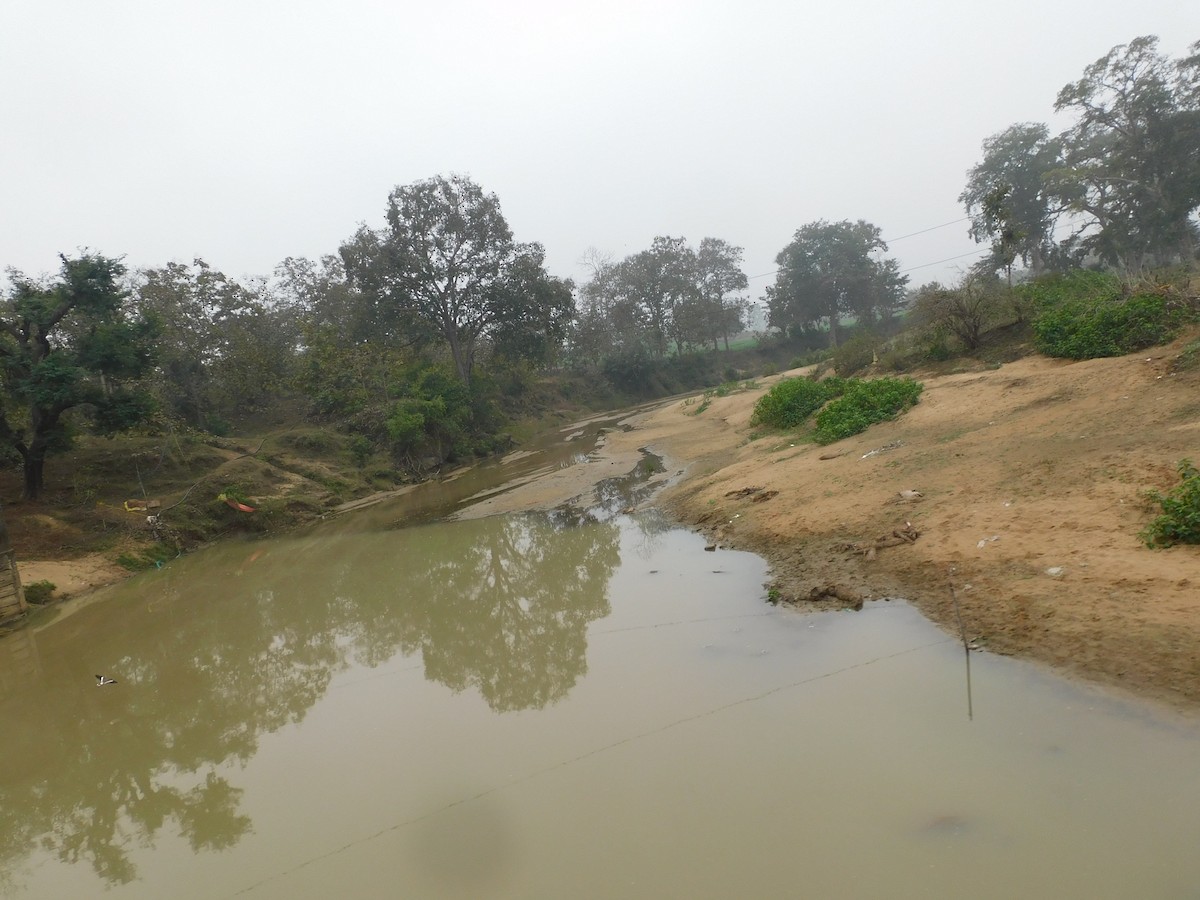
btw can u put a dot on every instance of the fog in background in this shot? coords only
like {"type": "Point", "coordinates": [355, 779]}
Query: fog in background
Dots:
{"type": "Point", "coordinates": [244, 133]}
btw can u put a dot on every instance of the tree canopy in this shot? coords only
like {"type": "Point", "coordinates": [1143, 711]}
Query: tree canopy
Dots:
{"type": "Point", "coordinates": [447, 262]}
{"type": "Point", "coordinates": [668, 295]}
{"type": "Point", "coordinates": [70, 342]}
{"type": "Point", "coordinates": [831, 270]}
{"type": "Point", "coordinates": [1007, 196]}
{"type": "Point", "coordinates": [1125, 175]}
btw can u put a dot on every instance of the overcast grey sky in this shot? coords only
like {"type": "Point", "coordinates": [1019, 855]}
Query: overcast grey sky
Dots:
{"type": "Point", "coordinates": [245, 132]}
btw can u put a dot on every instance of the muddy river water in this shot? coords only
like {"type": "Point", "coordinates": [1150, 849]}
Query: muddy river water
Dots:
{"type": "Point", "coordinates": [577, 703]}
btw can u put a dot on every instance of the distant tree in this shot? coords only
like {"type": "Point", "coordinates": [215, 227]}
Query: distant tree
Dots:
{"type": "Point", "coordinates": [600, 327]}
{"type": "Point", "coordinates": [830, 270]}
{"type": "Point", "coordinates": [719, 275]}
{"type": "Point", "coordinates": [661, 283]}
{"type": "Point", "coordinates": [224, 347]}
{"type": "Point", "coordinates": [66, 343]}
{"type": "Point", "coordinates": [351, 354]}
{"type": "Point", "coordinates": [1008, 198]}
{"type": "Point", "coordinates": [1131, 165]}
{"type": "Point", "coordinates": [669, 294]}
{"type": "Point", "coordinates": [534, 311]}
{"type": "Point", "coordinates": [447, 261]}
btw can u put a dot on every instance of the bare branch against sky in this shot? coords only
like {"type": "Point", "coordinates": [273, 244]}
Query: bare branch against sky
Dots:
{"type": "Point", "coordinates": [248, 132]}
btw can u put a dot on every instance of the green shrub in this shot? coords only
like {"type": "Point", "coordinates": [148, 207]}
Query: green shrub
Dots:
{"type": "Point", "coordinates": [1180, 519]}
{"type": "Point", "coordinates": [1086, 329]}
{"type": "Point", "coordinates": [856, 354]}
{"type": "Point", "coordinates": [39, 592]}
{"type": "Point", "coordinates": [863, 404]}
{"type": "Point", "coordinates": [789, 403]}
{"type": "Point", "coordinates": [1189, 357]}
{"type": "Point", "coordinates": [938, 347]}
{"type": "Point", "coordinates": [361, 448]}
{"type": "Point", "coordinates": [1077, 285]}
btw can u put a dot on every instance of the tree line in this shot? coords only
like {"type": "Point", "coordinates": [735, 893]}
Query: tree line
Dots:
{"type": "Point", "coordinates": [411, 332]}
{"type": "Point", "coordinates": [1123, 180]}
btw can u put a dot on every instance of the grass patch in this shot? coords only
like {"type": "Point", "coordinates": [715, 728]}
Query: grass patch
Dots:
{"type": "Point", "coordinates": [723, 390]}
{"type": "Point", "coordinates": [151, 557]}
{"type": "Point", "coordinates": [1180, 519]}
{"type": "Point", "coordinates": [843, 406]}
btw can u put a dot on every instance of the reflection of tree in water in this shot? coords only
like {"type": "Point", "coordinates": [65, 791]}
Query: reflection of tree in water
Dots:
{"type": "Point", "coordinates": [501, 604]}
{"type": "Point", "coordinates": [117, 764]}
{"type": "Point", "coordinates": [506, 607]}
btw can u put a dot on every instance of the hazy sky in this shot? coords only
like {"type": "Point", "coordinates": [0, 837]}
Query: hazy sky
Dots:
{"type": "Point", "coordinates": [246, 131]}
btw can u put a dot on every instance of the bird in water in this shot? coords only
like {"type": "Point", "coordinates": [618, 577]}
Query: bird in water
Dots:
{"type": "Point", "coordinates": [102, 680]}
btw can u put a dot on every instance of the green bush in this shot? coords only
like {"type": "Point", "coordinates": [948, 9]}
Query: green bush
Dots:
{"type": "Point", "coordinates": [1077, 285]}
{"type": "Point", "coordinates": [39, 592]}
{"type": "Point", "coordinates": [789, 403]}
{"type": "Point", "coordinates": [1086, 329]}
{"type": "Point", "coordinates": [856, 354]}
{"type": "Point", "coordinates": [1180, 519]}
{"type": "Point", "coordinates": [361, 448]}
{"type": "Point", "coordinates": [863, 404]}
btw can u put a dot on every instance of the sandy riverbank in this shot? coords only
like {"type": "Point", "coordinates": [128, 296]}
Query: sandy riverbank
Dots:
{"type": "Point", "coordinates": [1031, 478]}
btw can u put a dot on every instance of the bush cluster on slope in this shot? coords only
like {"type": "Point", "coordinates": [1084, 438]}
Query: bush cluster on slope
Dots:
{"type": "Point", "coordinates": [791, 402]}
{"type": "Point", "coordinates": [1180, 519]}
{"type": "Point", "coordinates": [863, 404]}
{"type": "Point", "coordinates": [847, 406]}
{"type": "Point", "coordinates": [1085, 315]}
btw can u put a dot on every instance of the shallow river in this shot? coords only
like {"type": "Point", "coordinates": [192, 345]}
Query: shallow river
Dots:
{"type": "Point", "coordinates": [573, 704]}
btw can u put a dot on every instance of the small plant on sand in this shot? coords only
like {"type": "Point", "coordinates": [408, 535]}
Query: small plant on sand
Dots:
{"type": "Point", "coordinates": [39, 592]}
{"type": "Point", "coordinates": [1180, 519]}
{"type": "Point", "coordinates": [863, 404]}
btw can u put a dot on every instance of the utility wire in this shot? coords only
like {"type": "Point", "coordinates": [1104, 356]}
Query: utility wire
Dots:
{"type": "Point", "coordinates": [928, 264]}
{"type": "Point", "coordinates": [926, 230]}
{"type": "Point", "coordinates": [893, 240]}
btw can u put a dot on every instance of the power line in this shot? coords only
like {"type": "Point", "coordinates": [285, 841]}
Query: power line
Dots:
{"type": "Point", "coordinates": [946, 260]}
{"type": "Point", "coordinates": [892, 241]}
{"type": "Point", "coordinates": [927, 230]}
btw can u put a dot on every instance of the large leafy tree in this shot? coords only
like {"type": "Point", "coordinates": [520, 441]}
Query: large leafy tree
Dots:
{"type": "Point", "coordinates": [70, 342]}
{"type": "Point", "coordinates": [1008, 199]}
{"type": "Point", "coordinates": [225, 348]}
{"type": "Point", "coordinates": [447, 262]}
{"type": "Point", "coordinates": [668, 293]}
{"type": "Point", "coordinates": [719, 278]}
{"type": "Point", "coordinates": [661, 283]}
{"type": "Point", "coordinates": [1132, 160]}
{"type": "Point", "coordinates": [831, 270]}
{"type": "Point", "coordinates": [351, 355]}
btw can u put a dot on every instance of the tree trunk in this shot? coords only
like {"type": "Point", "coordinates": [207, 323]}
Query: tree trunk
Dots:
{"type": "Point", "coordinates": [462, 359]}
{"type": "Point", "coordinates": [1037, 263]}
{"type": "Point", "coordinates": [41, 424]}
{"type": "Point", "coordinates": [33, 474]}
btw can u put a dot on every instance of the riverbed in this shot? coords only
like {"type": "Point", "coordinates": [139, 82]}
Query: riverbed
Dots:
{"type": "Point", "coordinates": [581, 701]}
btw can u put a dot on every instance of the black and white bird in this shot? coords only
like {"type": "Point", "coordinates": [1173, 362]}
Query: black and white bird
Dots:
{"type": "Point", "coordinates": [102, 680]}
